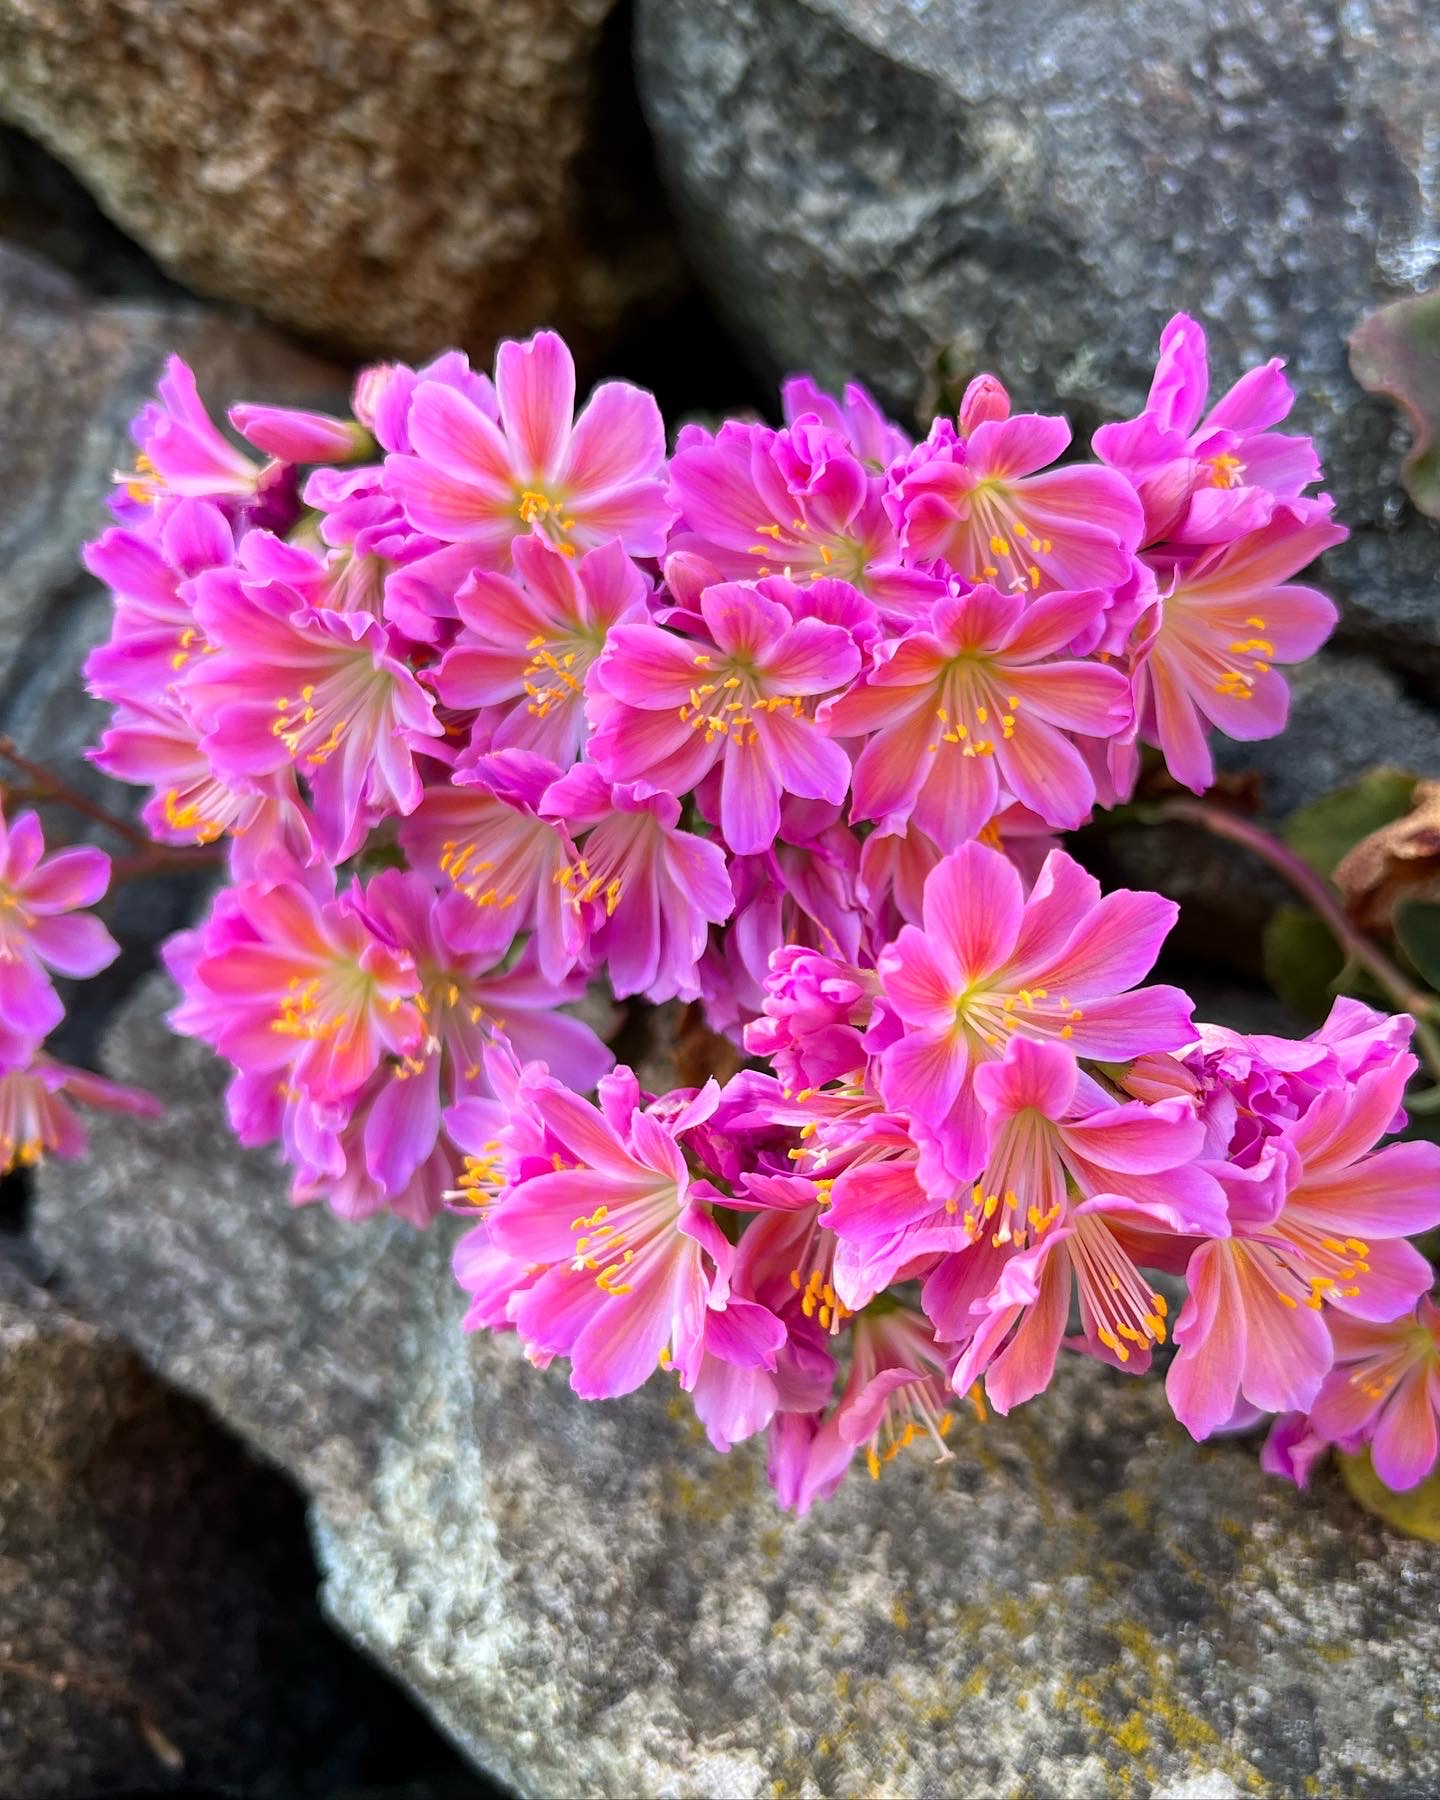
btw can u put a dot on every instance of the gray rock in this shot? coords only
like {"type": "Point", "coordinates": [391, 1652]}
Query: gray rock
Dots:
{"type": "Point", "coordinates": [591, 1602]}
{"type": "Point", "coordinates": [1035, 187]}
{"type": "Point", "coordinates": [392, 179]}
{"type": "Point", "coordinates": [158, 1629]}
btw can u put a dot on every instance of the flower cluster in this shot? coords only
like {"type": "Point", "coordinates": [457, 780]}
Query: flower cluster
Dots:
{"type": "Point", "coordinates": [45, 931]}
{"type": "Point", "coordinates": [489, 699]}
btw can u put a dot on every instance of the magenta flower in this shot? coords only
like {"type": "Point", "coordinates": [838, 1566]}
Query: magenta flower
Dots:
{"type": "Point", "coordinates": [669, 708]}
{"type": "Point", "coordinates": [991, 964]}
{"type": "Point", "coordinates": [799, 503]}
{"type": "Point", "coordinates": [647, 891]}
{"type": "Point", "coordinates": [527, 644]}
{"type": "Point", "coordinates": [897, 1391]}
{"type": "Point", "coordinates": [991, 518]}
{"type": "Point", "coordinates": [154, 636]}
{"type": "Point", "coordinates": [1221, 626]}
{"type": "Point", "coordinates": [1206, 477]}
{"type": "Point", "coordinates": [1252, 1328]}
{"type": "Point", "coordinates": [485, 835]}
{"type": "Point", "coordinates": [579, 482]}
{"type": "Point", "coordinates": [266, 819]}
{"type": "Point", "coordinates": [301, 685]}
{"type": "Point", "coordinates": [636, 1257]}
{"type": "Point", "coordinates": [42, 930]}
{"type": "Point", "coordinates": [279, 979]}
{"type": "Point", "coordinates": [1067, 1186]}
{"type": "Point", "coordinates": [1384, 1391]}
{"type": "Point", "coordinates": [972, 700]}
{"type": "Point", "coordinates": [37, 1119]}
{"type": "Point", "coordinates": [182, 455]}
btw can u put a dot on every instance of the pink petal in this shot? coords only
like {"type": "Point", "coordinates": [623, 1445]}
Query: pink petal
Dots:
{"type": "Point", "coordinates": [808, 764]}
{"type": "Point", "coordinates": [1204, 1378]}
{"type": "Point", "coordinates": [619, 436]}
{"type": "Point", "coordinates": [1405, 1444]}
{"type": "Point", "coordinates": [449, 507]}
{"type": "Point", "coordinates": [1115, 947]}
{"type": "Point", "coordinates": [536, 386]}
{"type": "Point", "coordinates": [919, 981]}
{"type": "Point", "coordinates": [974, 906]}
{"type": "Point", "coordinates": [1005, 448]}
{"type": "Point", "coordinates": [450, 431]}
{"type": "Point", "coordinates": [76, 944]}
{"type": "Point", "coordinates": [750, 799]}
{"type": "Point", "coordinates": [77, 877]}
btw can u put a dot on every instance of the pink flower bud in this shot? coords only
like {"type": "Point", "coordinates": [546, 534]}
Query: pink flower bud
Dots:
{"type": "Point", "coordinates": [985, 399]}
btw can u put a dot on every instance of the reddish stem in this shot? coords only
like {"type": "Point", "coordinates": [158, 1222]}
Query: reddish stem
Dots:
{"type": "Point", "coordinates": [1323, 900]}
{"type": "Point", "coordinates": [49, 786]}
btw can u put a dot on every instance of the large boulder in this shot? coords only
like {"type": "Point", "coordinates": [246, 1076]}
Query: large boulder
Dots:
{"type": "Point", "coordinates": [1035, 186]}
{"type": "Point", "coordinates": [592, 1602]}
{"type": "Point", "coordinates": [392, 178]}
{"type": "Point", "coordinates": [158, 1627]}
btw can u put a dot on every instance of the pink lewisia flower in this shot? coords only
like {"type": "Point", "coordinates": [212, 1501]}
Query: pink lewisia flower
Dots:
{"type": "Point", "coordinates": [636, 1257]}
{"type": "Point", "coordinates": [41, 929]}
{"type": "Point", "coordinates": [1252, 1328]}
{"type": "Point", "coordinates": [990, 517]}
{"type": "Point", "coordinates": [973, 699]}
{"type": "Point", "coordinates": [182, 455]}
{"type": "Point", "coordinates": [991, 964]}
{"type": "Point", "coordinates": [526, 644]}
{"type": "Point", "coordinates": [800, 503]}
{"type": "Point", "coordinates": [296, 684]}
{"type": "Point", "coordinates": [1067, 1186]}
{"type": "Point", "coordinates": [648, 891]}
{"type": "Point", "coordinates": [37, 1119]}
{"type": "Point", "coordinates": [267, 821]}
{"type": "Point", "coordinates": [856, 418]}
{"type": "Point", "coordinates": [1207, 479]}
{"type": "Point", "coordinates": [1384, 1391]}
{"type": "Point", "coordinates": [278, 979]}
{"type": "Point", "coordinates": [1221, 625]}
{"type": "Point", "coordinates": [669, 708]}
{"type": "Point", "coordinates": [486, 835]}
{"type": "Point", "coordinates": [815, 1010]}
{"type": "Point", "coordinates": [897, 1391]}
{"type": "Point", "coordinates": [580, 482]}
{"type": "Point", "coordinates": [153, 634]}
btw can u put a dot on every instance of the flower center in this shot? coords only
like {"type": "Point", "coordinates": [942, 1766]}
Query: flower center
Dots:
{"type": "Point", "coordinates": [725, 706]}
{"type": "Point", "coordinates": [1124, 1309]}
{"type": "Point", "coordinates": [538, 508]}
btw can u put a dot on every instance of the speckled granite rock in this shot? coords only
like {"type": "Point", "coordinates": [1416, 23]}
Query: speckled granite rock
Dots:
{"type": "Point", "coordinates": [158, 1631]}
{"type": "Point", "coordinates": [591, 1602]}
{"type": "Point", "coordinates": [1037, 184]}
{"type": "Point", "coordinates": [393, 178]}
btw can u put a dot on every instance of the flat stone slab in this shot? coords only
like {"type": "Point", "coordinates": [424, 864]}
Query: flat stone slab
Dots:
{"type": "Point", "coordinates": [590, 1601]}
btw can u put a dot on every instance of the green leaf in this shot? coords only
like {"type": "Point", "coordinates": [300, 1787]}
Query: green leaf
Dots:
{"type": "Point", "coordinates": [1327, 828]}
{"type": "Point", "coordinates": [1396, 352]}
{"type": "Point", "coordinates": [1415, 1512]}
{"type": "Point", "coordinates": [1417, 930]}
{"type": "Point", "coordinates": [1302, 960]}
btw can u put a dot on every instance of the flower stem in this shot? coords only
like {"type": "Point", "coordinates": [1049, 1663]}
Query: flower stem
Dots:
{"type": "Point", "coordinates": [1397, 987]}
{"type": "Point", "coordinates": [46, 785]}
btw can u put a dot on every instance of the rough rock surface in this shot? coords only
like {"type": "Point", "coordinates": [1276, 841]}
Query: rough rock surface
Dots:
{"type": "Point", "coordinates": [1035, 186]}
{"type": "Point", "coordinates": [591, 1602]}
{"type": "Point", "coordinates": [155, 1626]}
{"type": "Point", "coordinates": [393, 178]}
{"type": "Point", "coordinates": [73, 372]}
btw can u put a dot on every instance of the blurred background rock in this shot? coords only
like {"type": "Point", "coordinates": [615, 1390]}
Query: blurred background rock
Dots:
{"type": "Point", "coordinates": [703, 194]}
